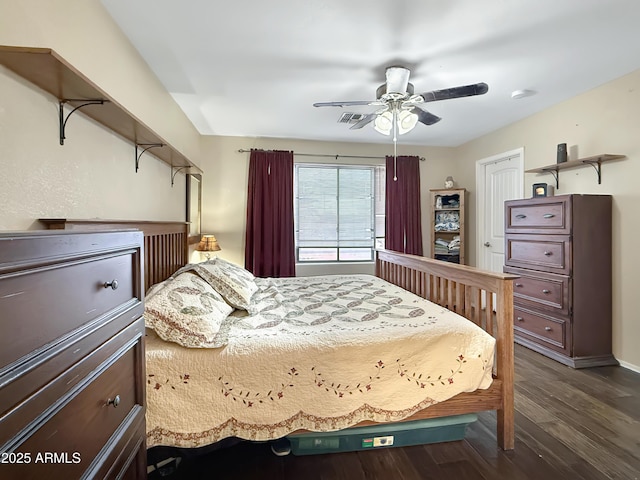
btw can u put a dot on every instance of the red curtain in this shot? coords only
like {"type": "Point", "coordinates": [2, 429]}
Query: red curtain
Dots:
{"type": "Point", "coordinates": [403, 228]}
{"type": "Point", "coordinates": [269, 247]}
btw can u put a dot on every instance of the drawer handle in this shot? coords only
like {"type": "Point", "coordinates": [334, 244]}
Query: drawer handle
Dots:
{"type": "Point", "coordinates": [548, 329]}
{"type": "Point", "coordinates": [113, 284]}
{"type": "Point", "coordinates": [521, 215]}
{"type": "Point", "coordinates": [520, 319]}
{"type": "Point", "coordinates": [115, 401]}
{"type": "Point", "coordinates": [546, 291]}
{"type": "Point", "coordinates": [548, 254]}
{"type": "Point", "coordinates": [548, 215]}
{"type": "Point", "coordinates": [519, 285]}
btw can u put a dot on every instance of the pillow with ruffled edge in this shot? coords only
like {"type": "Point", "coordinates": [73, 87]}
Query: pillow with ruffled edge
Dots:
{"type": "Point", "coordinates": [187, 310]}
{"type": "Point", "coordinates": [233, 282]}
{"type": "Point", "coordinates": [228, 266]}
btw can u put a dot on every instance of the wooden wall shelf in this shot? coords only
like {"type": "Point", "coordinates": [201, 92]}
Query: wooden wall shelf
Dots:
{"type": "Point", "coordinates": [596, 162]}
{"type": "Point", "coordinates": [46, 69]}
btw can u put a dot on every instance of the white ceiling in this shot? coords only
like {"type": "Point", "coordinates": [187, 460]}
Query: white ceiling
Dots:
{"type": "Point", "coordinates": [255, 67]}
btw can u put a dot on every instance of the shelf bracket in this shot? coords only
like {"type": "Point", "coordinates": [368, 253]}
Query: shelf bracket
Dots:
{"type": "Point", "coordinates": [174, 172]}
{"type": "Point", "coordinates": [598, 169]}
{"type": "Point", "coordinates": [146, 146]}
{"type": "Point", "coordinates": [63, 119]}
{"type": "Point", "coordinates": [556, 175]}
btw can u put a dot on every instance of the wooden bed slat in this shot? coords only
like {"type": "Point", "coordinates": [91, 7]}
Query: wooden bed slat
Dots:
{"type": "Point", "coordinates": [460, 299]}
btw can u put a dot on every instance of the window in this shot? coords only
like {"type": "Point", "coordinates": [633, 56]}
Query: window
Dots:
{"type": "Point", "coordinates": [339, 212]}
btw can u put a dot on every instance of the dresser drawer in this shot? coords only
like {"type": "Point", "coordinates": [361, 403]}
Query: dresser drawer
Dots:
{"type": "Point", "coordinates": [552, 331]}
{"type": "Point", "coordinates": [80, 429]}
{"type": "Point", "coordinates": [541, 290]}
{"type": "Point", "coordinates": [50, 303]}
{"type": "Point", "coordinates": [550, 253]}
{"type": "Point", "coordinates": [545, 215]}
{"type": "Point", "coordinates": [29, 395]}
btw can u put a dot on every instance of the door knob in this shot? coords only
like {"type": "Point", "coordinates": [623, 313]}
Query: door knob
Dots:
{"type": "Point", "coordinates": [487, 244]}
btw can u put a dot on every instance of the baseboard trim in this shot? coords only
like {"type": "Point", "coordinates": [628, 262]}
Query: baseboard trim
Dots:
{"type": "Point", "coordinates": [630, 366]}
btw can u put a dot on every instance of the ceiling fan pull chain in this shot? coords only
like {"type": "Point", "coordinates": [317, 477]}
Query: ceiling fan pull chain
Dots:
{"type": "Point", "coordinates": [395, 142]}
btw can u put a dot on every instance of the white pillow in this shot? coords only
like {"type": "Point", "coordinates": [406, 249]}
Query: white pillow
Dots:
{"type": "Point", "coordinates": [188, 311]}
{"type": "Point", "coordinates": [233, 282]}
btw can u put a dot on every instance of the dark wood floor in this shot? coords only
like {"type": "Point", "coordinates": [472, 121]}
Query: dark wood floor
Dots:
{"type": "Point", "coordinates": [570, 424]}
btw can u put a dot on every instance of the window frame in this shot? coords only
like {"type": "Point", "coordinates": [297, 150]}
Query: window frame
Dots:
{"type": "Point", "coordinates": [337, 248]}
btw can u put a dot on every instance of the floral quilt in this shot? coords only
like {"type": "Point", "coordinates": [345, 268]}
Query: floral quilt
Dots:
{"type": "Point", "coordinates": [318, 353]}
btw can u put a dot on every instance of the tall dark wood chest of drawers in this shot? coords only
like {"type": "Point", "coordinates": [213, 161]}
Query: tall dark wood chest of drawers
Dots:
{"type": "Point", "coordinates": [561, 249]}
{"type": "Point", "coordinates": [71, 355]}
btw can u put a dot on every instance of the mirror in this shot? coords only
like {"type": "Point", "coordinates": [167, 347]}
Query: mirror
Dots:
{"type": "Point", "coordinates": [194, 206]}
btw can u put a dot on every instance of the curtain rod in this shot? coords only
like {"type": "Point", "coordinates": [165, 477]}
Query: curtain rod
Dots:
{"type": "Point", "coordinates": [422, 159]}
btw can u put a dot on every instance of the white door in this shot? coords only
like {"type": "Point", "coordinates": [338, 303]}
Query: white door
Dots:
{"type": "Point", "coordinates": [498, 178]}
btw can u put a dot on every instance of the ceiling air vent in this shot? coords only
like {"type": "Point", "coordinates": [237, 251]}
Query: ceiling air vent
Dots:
{"type": "Point", "coordinates": [350, 117]}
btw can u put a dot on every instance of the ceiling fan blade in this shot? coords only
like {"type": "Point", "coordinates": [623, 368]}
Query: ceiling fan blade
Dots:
{"type": "Point", "coordinates": [346, 104]}
{"type": "Point", "coordinates": [425, 117]}
{"type": "Point", "coordinates": [456, 92]}
{"type": "Point", "coordinates": [365, 121]}
{"type": "Point", "coordinates": [397, 79]}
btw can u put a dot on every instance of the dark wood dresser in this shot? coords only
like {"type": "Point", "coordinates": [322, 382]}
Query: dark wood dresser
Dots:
{"type": "Point", "coordinates": [72, 386]}
{"type": "Point", "coordinates": [561, 249]}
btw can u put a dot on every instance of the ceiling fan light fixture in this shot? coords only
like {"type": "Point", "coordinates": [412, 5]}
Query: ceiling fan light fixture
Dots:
{"type": "Point", "coordinates": [407, 120]}
{"type": "Point", "coordinates": [383, 123]}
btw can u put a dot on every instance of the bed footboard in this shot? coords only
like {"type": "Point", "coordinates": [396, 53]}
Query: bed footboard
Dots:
{"type": "Point", "coordinates": [486, 299]}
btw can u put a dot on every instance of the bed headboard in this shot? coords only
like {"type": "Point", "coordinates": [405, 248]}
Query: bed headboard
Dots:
{"type": "Point", "coordinates": [166, 246]}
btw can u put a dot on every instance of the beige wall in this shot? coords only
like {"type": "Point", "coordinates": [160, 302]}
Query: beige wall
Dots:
{"type": "Point", "coordinates": [226, 174]}
{"type": "Point", "coordinates": [93, 174]}
{"type": "Point", "coordinates": [603, 120]}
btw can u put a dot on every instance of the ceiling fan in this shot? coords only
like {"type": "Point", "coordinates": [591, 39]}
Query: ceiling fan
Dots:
{"type": "Point", "coordinates": [401, 109]}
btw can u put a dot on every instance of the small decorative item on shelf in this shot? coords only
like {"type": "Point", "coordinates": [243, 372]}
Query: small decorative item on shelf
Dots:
{"type": "Point", "coordinates": [562, 153]}
{"type": "Point", "coordinates": [208, 243]}
{"type": "Point", "coordinates": [542, 190]}
{"type": "Point", "coordinates": [448, 182]}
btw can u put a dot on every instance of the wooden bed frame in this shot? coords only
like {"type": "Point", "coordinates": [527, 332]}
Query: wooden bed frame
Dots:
{"type": "Point", "coordinates": [466, 290]}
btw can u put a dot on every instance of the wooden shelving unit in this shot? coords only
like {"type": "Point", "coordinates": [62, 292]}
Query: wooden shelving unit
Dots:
{"type": "Point", "coordinates": [595, 161]}
{"type": "Point", "coordinates": [46, 69]}
{"type": "Point", "coordinates": [440, 210]}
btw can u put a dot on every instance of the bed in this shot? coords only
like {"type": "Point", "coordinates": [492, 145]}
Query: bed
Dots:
{"type": "Point", "coordinates": [460, 293]}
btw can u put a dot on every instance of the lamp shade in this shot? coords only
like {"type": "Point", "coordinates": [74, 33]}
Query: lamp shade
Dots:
{"type": "Point", "coordinates": [383, 123]}
{"type": "Point", "coordinates": [208, 243]}
{"type": "Point", "coordinates": [405, 119]}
